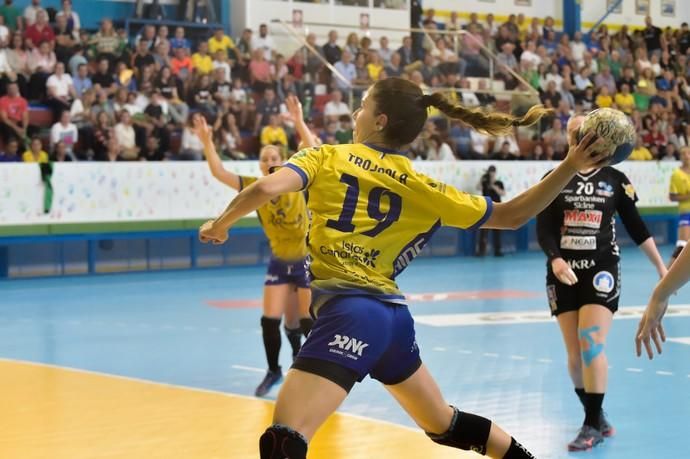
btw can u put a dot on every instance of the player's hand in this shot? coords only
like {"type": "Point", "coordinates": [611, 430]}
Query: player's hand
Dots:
{"type": "Point", "coordinates": [211, 233]}
{"type": "Point", "coordinates": [294, 108]}
{"type": "Point", "coordinates": [651, 329]}
{"type": "Point", "coordinates": [584, 156]}
{"type": "Point", "coordinates": [563, 272]}
{"type": "Point", "coordinates": [201, 128]}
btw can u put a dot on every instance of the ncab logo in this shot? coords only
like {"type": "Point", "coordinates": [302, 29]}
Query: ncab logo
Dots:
{"type": "Point", "coordinates": [343, 344]}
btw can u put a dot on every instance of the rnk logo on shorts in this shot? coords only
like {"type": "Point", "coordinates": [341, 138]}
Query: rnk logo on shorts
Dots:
{"type": "Point", "coordinates": [347, 346]}
{"type": "Point", "coordinates": [579, 242]}
{"type": "Point", "coordinates": [603, 282]}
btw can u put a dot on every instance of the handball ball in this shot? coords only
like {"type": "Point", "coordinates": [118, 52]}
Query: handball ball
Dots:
{"type": "Point", "coordinates": [616, 130]}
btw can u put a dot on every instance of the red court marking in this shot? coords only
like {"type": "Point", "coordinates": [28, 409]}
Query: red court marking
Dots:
{"type": "Point", "coordinates": [234, 304]}
{"type": "Point", "coordinates": [416, 297]}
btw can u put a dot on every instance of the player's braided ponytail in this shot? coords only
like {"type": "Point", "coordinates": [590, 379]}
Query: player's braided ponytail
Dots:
{"type": "Point", "coordinates": [405, 106]}
{"type": "Point", "coordinates": [493, 124]}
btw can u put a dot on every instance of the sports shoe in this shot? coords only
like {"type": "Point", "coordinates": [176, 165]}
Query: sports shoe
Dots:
{"type": "Point", "coordinates": [271, 379]}
{"type": "Point", "coordinates": [607, 430]}
{"type": "Point", "coordinates": [586, 439]}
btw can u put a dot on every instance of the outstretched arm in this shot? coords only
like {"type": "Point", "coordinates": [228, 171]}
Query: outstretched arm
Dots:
{"type": "Point", "coordinates": [650, 327]}
{"type": "Point", "coordinates": [519, 210]}
{"type": "Point", "coordinates": [257, 194]}
{"type": "Point", "coordinates": [205, 134]}
{"type": "Point", "coordinates": [307, 139]}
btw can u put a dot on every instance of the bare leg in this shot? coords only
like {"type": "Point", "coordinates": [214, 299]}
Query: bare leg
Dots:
{"type": "Point", "coordinates": [568, 321]}
{"type": "Point", "coordinates": [594, 324]}
{"type": "Point", "coordinates": [305, 401]}
{"type": "Point", "coordinates": [421, 398]}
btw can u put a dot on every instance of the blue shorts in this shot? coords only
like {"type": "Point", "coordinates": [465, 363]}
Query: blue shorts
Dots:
{"type": "Point", "coordinates": [288, 272]}
{"type": "Point", "coordinates": [684, 220]}
{"type": "Point", "coordinates": [365, 336]}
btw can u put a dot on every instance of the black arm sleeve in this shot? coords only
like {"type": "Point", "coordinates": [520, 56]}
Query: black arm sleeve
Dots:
{"type": "Point", "coordinates": [631, 219]}
{"type": "Point", "coordinates": [548, 232]}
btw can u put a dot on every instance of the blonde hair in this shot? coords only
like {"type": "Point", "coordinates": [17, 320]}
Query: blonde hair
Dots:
{"type": "Point", "coordinates": [405, 105]}
{"type": "Point", "coordinates": [279, 150]}
{"type": "Point", "coordinates": [493, 124]}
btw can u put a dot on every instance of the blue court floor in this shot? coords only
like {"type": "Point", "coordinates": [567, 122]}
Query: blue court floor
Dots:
{"type": "Point", "coordinates": [509, 366]}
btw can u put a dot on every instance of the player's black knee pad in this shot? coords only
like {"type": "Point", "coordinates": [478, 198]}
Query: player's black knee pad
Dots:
{"type": "Point", "coordinates": [281, 442]}
{"type": "Point", "coordinates": [467, 431]}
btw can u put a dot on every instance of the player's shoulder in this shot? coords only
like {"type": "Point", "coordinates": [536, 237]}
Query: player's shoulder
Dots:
{"type": "Point", "coordinates": [614, 173]}
{"type": "Point", "coordinates": [677, 172]}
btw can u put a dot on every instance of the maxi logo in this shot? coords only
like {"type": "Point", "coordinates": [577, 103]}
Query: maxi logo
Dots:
{"type": "Point", "coordinates": [582, 218]}
{"type": "Point", "coordinates": [348, 344]}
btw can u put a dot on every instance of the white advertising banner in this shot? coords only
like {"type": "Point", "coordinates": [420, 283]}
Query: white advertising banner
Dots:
{"type": "Point", "coordinates": [111, 192]}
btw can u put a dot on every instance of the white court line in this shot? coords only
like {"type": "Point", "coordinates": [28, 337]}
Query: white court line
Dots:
{"type": "Point", "coordinates": [490, 354]}
{"type": "Point", "coordinates": [254, 369]}
{"type": "Point", "coordinates": [634, 370]}
{"type": "Point", "coordinates": [532, 316]}
{"type": "Point", "coordinates": [664, 373]}
{"type": "Point", "coordinates": [198, 389]}
{"type": "Point", "coordinates": [544, 360]}
{"type": "Point", "coordinates": [464, 351]}
{"type": "Point", "coordinates": [518, 357]}
{"type": "Point", "coordinates": [439, 349]}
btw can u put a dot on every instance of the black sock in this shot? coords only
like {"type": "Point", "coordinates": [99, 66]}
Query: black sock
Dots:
{"type": "Point", "coordinates": [270, 329]}
{"type": "Point", "coordinates": [517, 451]}
{"type": "Point", "coordinates": [580, 391]}
{"type": "Point", "coordinates": [294, 335]}
{"type": "Point", "coordinates": [593, 404]}
{"type": "Point", "coordinates": [305, 324]}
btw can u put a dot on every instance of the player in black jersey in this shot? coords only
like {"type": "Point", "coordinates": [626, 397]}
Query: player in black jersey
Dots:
{"type": "Point", "coordinates": [577, 232]}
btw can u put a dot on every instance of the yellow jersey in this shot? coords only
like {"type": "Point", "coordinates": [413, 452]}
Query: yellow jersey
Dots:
{"type": "Point", "coordinates": [285, 222]}
{"type": "Point", "coordinates": [271, 135]}
{"type": "Point", "coordinates": [680, 184]}
{"type": "Point", "coordinates": [202, 64]}
{"type": "Point", "coordinates": [28, 157]}
{"type": "Point", "coordinates": [641, 154]}
{"type": "Point", "coordinates": [372, 214]}
{"type": "Point", "coordinates": [223, 44]}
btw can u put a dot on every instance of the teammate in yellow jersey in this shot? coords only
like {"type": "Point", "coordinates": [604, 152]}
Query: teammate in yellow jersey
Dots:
{"type": "Point", "coordinates": [679, 191]}
{"type": "Point", "coordinates": [372, 213]}
{"type": "Point", "coordinates": [285, 221]}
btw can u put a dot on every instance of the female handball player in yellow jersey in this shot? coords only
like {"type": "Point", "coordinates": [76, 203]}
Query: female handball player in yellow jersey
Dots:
{"type": "Point", "coordinates": [285, 221]}
{"type": "Point", "coordinates": [372, 213]}
{"type": "Point", "coordinates": [679, 191]}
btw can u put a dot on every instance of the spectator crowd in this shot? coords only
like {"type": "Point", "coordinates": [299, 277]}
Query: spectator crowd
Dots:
{"type": "Point", "coordinates": [70, 94]}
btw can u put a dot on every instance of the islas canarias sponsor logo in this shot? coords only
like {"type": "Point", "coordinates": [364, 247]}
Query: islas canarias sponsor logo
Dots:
{"type": "Point", "coordinates": [347, 250]}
